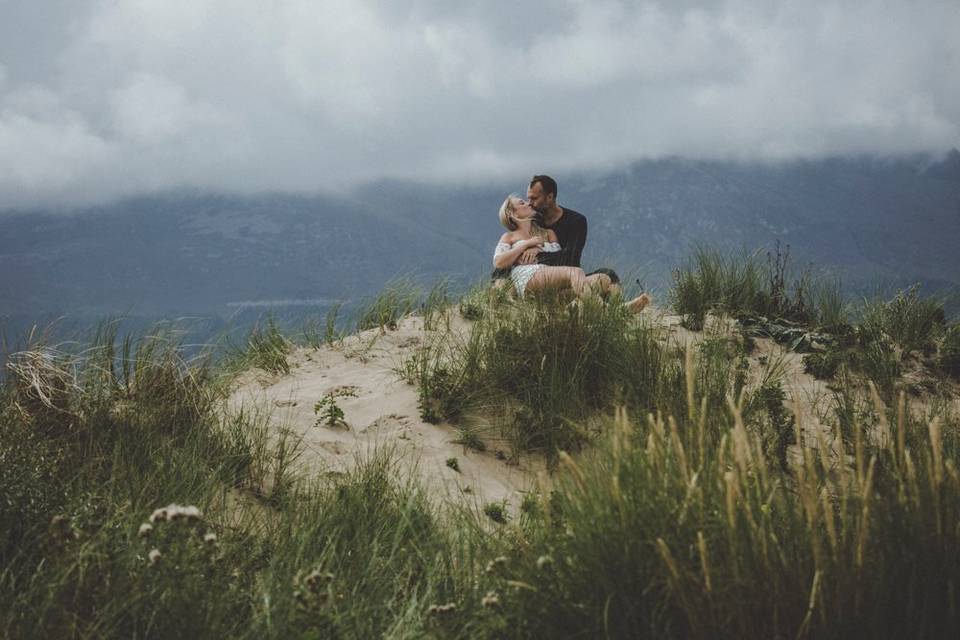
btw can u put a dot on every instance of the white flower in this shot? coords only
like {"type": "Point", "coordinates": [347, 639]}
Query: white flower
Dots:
{"type": "Point", "coordinates": [499, 561]}
{"type": "Point", "coordinates": [145, 530]}
{"type": "Point", "coordinates": [544, 561]}
{"type": "Point", "coordinates": [154, 556]}
{"type": "Point", "coordinates": [158, 515]}
{"type": "Point", "coordinates": [210, 538]}
{"type": "Point", "coordinates": [436, 609]}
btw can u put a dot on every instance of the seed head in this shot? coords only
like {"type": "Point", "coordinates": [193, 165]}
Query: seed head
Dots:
{"type": "Point", "coordinates": [158, 515]}
{"type": "Point", "coordinates": [210, 539]}
{"type": "Point", "coordinates": [154, 556]}
{"type": "Point", "coordinates": [544, 561]}
{"type": "Point", "coordinates": [145, 530]}
{"type": "Point", "coordinates": [491, 600]}
{"type": "Point", "coordinates": [496, 563]}
{"type": "Point", "coordinates": [441, 609]}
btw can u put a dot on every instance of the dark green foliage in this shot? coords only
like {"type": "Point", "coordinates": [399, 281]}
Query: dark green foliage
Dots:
{"type": "Point", "coordinates": [739, 284]}
{"type": "Point", "coordinates": [496, 511]}
{"type": "Point", "coordinates": [454, 464]}
{"type": "Point", "coordinates": [822, 365]}
{"type": "Point", "coordinates": [949, 359]}
{"type": "Point", "coordinates": [775, 427]}
{"type": "Point", "coordinates": [545, 366]}
{"type": "Point", "coordinates": [911, 322]}
{"type": "Point", "coordinates": [327, 410]}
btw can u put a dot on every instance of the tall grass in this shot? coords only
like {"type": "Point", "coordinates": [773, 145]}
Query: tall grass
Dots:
{"type": "Point", "coordinates": [397, 299]}
{"type": "Point", "coordinates": [739, 284]}
{"type": "Point", "coordinates": [680, 520]}
{"type": "Point", "coordinates": [912, 322]}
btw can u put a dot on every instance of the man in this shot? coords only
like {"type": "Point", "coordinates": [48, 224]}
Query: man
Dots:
{"type": "Point", "coordinates": [571, 229]}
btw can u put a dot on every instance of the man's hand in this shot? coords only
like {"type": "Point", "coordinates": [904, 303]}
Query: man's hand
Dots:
{"type": "Point", "coordinates": [529, 256]}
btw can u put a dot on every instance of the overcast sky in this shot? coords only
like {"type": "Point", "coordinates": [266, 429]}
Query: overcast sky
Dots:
{"type": "Point", "coordinates": [105, 98]}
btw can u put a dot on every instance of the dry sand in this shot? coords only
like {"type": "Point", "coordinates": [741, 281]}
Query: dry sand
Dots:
{"type": "Point", "coordinates": [383, 414]}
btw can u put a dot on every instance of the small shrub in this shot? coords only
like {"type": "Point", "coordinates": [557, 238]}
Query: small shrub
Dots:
{"type": "Point", "coordinates": [949, 359]}
{"type": "Point", "coordinates": [822, 365]}
{"type": "Point", "coordinates": [912, 322]}
{"type": "Point", "coordinates": [398, 299]}
{"type": "Point", "coordinates": [496, 511]}
{"type": "Point", "coordinates": [327, 410]}
{"type": "Point", "coordinates": [266, 348]}
{"type": "Point", "coordinates": [771, 421]}
{"type": "Point", "coordinates": [454, 464]}
{"type": "Point", "coordinates": [470, 439]}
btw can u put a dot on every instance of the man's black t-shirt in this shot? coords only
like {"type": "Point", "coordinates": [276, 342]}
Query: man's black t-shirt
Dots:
{"type": "Point", "coordinates": [571, 230]}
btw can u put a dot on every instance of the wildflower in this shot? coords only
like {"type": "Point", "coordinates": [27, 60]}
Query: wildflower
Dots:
{"type": "Point", "coordinates": [154, 556]}
{"type": "Point", "coordinates": [210, 539]}
{"type": "Point", "coordinates": [145, 530]}
{"type": "Point", "coordinates": [543, 562]}
{"type": "Point", "coordinates": [496, 563]}
{"type": "Point", "coordinates": [315, 579]}
{"type": "Point", "coordinates": [491, 600]}
{"type": "Point", "coordinates": [174, 512]}
{"type": "Point", "coordinates": [440, 609]}
{"type": "Point", "coordinates": [191, 513]}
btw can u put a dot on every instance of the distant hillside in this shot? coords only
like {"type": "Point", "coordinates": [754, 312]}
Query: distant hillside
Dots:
{"type": "Point", "coordinates": [895, 220]}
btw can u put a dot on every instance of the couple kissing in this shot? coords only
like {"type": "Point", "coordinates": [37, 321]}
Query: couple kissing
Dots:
{"type": "Point", "coordinates": [541, 249]}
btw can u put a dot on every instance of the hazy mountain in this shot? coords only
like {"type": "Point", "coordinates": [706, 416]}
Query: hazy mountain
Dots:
{"type": "Point", "coordinates": [871, 220]}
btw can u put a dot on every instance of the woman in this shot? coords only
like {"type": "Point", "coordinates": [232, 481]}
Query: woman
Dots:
{"type": "Point", "coordinates": [523, 233]}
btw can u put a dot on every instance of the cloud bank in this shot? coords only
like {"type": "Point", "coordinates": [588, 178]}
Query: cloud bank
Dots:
{"type": "Point", "coordinates": [102, 99]}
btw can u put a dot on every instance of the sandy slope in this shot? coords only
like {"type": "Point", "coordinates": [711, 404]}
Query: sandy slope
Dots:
{"type": "Point", "coordinates": [384, 413]}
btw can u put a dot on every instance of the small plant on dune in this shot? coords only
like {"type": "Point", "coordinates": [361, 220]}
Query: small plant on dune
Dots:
{"type": "Point", "coordinates": [830, 309]}
{"type": "Point", "coordinates": [265, 348]}
{"type": "Point", "coordinates": [949, 358]}
{"type": "Point", "coordinates": [454, 464]}
{"type": "Point", "coordinates": [328, 412]}
{"type": "Point", "coordinates": [470, 438]}
{"type": "Point", "coordinates": [398, 299]}
{"type": "Point", "coordinates": [822, 365]}
{"type": "Point", "coordinates": [911, 322]}
{"type": "Point", "coordinates": [774, 425]}
{"type": "Point", "coordinates": [496, 511]}
{"type": "Point", "coordinates": [740, 284]}
{"type": "Point", "coordinates": [331, 333]}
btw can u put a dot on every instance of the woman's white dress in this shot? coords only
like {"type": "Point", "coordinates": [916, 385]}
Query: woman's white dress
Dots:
{"type": "Point", "coordinates": [520, 274]}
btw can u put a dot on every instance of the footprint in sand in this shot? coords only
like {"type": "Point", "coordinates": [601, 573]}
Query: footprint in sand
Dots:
{"type": "Point", "coordinates": [386, 422]}
{"type": "Point", "coordinates": [335, 448]}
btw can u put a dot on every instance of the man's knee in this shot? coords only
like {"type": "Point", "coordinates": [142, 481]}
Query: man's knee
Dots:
{"type": "Point", "coordinates": [610, 273]}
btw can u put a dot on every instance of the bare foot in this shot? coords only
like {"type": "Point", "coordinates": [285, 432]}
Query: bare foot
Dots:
{"type": "Point", "coordinates": [639, 303]}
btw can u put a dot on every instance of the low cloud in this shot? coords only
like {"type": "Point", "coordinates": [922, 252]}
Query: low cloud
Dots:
{"type": "Point", "coordinates": [102, 99]}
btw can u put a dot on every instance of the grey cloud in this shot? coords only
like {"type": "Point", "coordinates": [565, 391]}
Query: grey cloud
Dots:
{"type": "Point", "coordinates": [101, 99]}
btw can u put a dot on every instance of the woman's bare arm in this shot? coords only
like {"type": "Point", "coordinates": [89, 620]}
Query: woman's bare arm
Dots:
{"type": "Point", "coordinates": [507, 258]}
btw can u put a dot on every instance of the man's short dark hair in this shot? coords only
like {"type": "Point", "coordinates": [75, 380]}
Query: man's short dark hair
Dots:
{"type": "Point", "coordinates": [548, 184]}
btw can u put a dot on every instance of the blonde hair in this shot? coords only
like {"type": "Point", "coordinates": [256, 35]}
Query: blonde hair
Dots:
{"type": "Point", "coordinates": [507, 220]}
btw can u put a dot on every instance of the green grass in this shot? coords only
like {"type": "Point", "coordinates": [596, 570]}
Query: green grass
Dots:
{"type": "Point", "coordinates": [265, 348]}
{"type": "Point", "coordinates": [740, 284]}
{"type": "Point", "coordinates": [399, 298]}
{"type": "Point", "coordinates": [677, 519]}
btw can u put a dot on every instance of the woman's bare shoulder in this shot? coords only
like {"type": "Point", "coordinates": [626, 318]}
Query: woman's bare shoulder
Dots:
{"type": "Point", "coordinates": [507, 238]}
